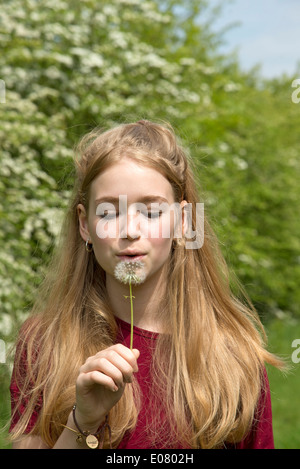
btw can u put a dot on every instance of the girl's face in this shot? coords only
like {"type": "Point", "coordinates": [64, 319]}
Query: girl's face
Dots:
{"type": "Point", "coordinates": [129, 217]}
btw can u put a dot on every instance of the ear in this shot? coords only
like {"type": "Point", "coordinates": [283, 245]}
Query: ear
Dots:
{"type": "Point", "coordinates": [83, 222]}
{"type": "Point", "coordinates": [181, 222]}
{"type": "Point", "coordinates": [184, 220]}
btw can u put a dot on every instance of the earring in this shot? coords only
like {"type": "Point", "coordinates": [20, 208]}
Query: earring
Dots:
{"type": "Point", "coordinates": [178, 242]}
{"type": "Point", "coordinates": [88, 246]}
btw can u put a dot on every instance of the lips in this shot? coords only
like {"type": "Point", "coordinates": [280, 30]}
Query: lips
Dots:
{"type": "Point", "coordinates": [131, 255]}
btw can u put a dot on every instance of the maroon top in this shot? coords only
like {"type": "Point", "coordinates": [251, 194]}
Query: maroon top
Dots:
{"type": "Point", "coordinates": [260, 436]}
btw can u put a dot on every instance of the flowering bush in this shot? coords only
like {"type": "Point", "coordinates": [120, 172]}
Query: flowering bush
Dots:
{"type": "Point", "coordinates": [66, 70]}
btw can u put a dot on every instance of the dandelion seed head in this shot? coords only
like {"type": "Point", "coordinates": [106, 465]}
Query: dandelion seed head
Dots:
{"type": "Point", "coordinates": [130, 272]}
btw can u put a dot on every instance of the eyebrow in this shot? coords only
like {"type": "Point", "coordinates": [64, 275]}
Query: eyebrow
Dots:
{"type": "Point", "coordinates": [145, 199]}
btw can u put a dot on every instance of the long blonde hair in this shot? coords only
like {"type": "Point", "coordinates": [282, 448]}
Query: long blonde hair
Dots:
{"type": "Point", "coordinates": [209, 368]}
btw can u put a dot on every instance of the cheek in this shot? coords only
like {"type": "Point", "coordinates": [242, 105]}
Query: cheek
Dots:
{"type": "Point", "coordinates": [101, 250]}
{"type": "Point", "coordinates": [106, 228]}
{"type": "Point", "coordinates": [161, 228]}
{"type": "Point", "coordinates": [161, 248]}
{"type": "Point", "coordinates": [102, 245]}
{"type": "Point", "coordinates": [160, 234]}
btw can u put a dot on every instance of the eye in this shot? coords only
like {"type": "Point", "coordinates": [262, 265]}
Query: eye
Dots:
{"type": "Point", "coordinates": [108, 215]}
{"type": "Point", "coordinates": [106, 211]}
{"type": "Point", "coordinates": [152, 214]}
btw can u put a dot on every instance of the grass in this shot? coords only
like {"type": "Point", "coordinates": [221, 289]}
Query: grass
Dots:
{"type": "Point", "coordinates": [4, 405]}
{"type": "Point", "coordinates": [284, 387]}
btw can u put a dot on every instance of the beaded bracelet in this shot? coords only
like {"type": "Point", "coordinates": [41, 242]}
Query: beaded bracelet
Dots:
{"type": "Point", "coordinates": [94, 440]}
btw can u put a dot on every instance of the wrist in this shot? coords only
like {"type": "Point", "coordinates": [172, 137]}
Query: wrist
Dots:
{"type": "Point", "coordinates": [91, 434]}
{"type": "Point", "coordinates": [80, 423]}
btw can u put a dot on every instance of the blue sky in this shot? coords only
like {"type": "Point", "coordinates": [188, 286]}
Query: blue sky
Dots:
{"type": "Point", "coordinates": [268, 34]}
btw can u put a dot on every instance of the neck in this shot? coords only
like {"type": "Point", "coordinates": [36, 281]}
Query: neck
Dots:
{"type": "Point", "coordinates": [147, 301]}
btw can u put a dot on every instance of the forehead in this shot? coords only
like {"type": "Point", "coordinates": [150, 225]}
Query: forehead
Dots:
{"type": "Point", "coordinates": [133, 180]}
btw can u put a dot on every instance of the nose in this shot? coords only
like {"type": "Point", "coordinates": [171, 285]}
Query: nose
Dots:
{"type": "Point", "coordinates": [131, 229]}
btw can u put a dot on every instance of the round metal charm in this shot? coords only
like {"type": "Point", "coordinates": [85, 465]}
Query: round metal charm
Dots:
{"type": "Point", "coordinates": [92, 441]}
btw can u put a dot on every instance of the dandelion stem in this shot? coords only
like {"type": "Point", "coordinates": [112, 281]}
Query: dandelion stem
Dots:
{"type": "Point", "coordinates": [130, 273]}
{"type": "Point", "coordinates": [131, 316]}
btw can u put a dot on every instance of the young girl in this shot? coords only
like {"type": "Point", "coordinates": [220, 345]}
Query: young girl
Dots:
{"type": "Point", "coordinates": [195, 376]}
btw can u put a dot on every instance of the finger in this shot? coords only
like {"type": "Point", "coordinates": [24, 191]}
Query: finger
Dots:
{"type": "Point", "coordinates": [129, 355]}
{"type": "Point", "coordinates": [86, 380]}
{"type": "Point", "coordinates": [112, 364]}
{"type": "Point", "coordinates": [105, 366]}
{"type": "Point", "coordinates": [125, 360]}
{"type": "Point", "coordinates": [124, 352]}
{"type": "Point", "coordinates": [136, 353]}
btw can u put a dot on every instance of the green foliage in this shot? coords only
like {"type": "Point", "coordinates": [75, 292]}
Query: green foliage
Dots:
{"type": "Point", "coordinates": [70, 66]}
{"type": "Point", "coordinates": [285, 388]}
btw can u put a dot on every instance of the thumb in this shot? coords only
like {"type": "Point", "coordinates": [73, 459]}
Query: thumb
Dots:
{"type": "Point", "coordinates": [136, 352]}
